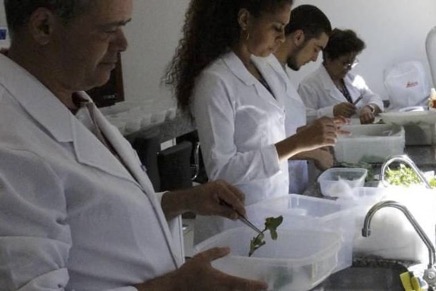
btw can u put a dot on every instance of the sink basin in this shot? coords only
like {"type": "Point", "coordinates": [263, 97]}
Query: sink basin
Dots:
{"type": "Point", "coordinates": [383, 275]}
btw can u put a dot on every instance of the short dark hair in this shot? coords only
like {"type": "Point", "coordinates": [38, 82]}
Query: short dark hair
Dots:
{"type": "Point", "coordinates": [19, 11]}
{"type": "Point", "coordinates": [342, 42]}
{"type": "Point", "coordinates": [311, 20]}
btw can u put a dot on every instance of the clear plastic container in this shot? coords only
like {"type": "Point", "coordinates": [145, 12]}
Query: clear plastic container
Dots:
{"type": "Point", "coordinates": [371, 143]}
{"type": "Point", "coordinates": [297, 261]}
{"type": "Point", "coordinates": [311, 213]}
{"type": "Point", "coordinates": [334, 180]}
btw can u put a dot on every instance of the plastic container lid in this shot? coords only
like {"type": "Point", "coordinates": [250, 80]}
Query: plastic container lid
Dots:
{"type": "Point", "coordinates": [334, 180]}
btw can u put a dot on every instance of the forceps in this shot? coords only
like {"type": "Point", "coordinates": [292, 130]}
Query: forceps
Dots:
{"type": "Point", "coordinates": [242, 218]}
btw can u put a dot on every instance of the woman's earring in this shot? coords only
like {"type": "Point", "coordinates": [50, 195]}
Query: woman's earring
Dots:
{"type": "Point", "coordinates": [248, 36]}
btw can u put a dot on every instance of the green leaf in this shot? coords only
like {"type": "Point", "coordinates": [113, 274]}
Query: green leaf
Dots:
{"type": "Point", "coordinates": [271, 224]}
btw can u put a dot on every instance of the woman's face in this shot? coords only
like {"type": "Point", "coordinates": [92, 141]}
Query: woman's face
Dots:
{"type": "Point", "coordinates": [266, 32]}
{"type": "Point", "coordinates": [339, 67]}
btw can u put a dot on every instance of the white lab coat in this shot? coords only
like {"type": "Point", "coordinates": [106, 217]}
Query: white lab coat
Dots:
{"type": "Point", "coordinates": [320, 94]}
{"type": "Point", "coordinates": [71, 216]}
{"type": "Point", "coordinates": [295, 112]}
{"type": "Point", "coordinates": [238, 122]}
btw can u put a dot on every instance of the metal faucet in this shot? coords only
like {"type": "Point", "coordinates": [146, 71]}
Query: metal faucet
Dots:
{"type": "Point", "coordinates": [430, 272]}
{"type": "Point", "coordinates": [405, 159]}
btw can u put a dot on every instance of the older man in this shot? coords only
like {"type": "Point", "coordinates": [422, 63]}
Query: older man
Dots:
{"type": "Point", "coordinates": [77, 212]}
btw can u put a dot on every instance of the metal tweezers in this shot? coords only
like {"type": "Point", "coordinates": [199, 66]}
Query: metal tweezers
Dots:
{"type": "Point", "coordinates": [242, 217]}
{"type": "Point", "coordinates": [248, 223]}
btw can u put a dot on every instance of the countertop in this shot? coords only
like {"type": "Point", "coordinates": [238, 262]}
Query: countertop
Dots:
{"type": "Point", "coordinates": [168, 129]}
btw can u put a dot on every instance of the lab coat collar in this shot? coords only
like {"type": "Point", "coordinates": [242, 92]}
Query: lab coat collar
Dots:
{"type": "Point", "coordinates": [123, 149]}
{"type": "Point", "coordinates": [235, 65]}
{"type": "Point", "coordinates": [274, 80]}
{"type": "Point", "coordinates": [44, 106]}
{"type": "Point", "coordinates": [278, 68]}
{"type": "Point", "coordinates": [270, 77]}
{"type": "Point", "coordinates": [328, 84]}
{"type": "Point", "coordinates": [56, 119]}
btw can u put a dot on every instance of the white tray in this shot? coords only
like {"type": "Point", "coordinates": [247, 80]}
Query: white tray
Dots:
{"type": "Point", "coordinates": [402, 118]}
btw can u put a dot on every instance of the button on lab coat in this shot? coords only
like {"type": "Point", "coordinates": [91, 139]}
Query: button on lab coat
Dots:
{"type": "Point", "coordinates": [295, 112]}
{"type": "Point", "coordinates": [238, 122]}
{"type": "Point", "coordinates": [320, 94]}
{"type": "Point", "coordinates": [71, 215]}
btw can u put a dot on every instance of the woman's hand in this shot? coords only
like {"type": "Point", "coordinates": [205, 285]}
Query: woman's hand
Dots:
{"type": "Point", "coordinates": [320, 133]}
{"type": "Point", "coordinates": [367, 115]}
{"type": "Point", "coordinates": [345, 109]}
{"type": "Point", "coordinates": [213, 198]}
{"type": "Point", "coordinates": [323, 158]}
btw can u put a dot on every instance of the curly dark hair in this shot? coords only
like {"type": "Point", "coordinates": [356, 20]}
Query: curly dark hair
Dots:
{"type": "Point", "coordinates": [342, 42]}
{"type": "Point", "coordinates": [210, 28]}
{"type": "Point", "coordinates": [19, 11]}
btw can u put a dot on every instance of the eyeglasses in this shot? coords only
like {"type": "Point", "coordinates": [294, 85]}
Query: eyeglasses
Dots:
{"type": "Point", "coordinates": [350, 65]}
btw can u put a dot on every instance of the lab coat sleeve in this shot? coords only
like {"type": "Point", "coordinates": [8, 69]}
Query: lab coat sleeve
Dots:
{"type": "Point", "coordinates": [369, 97]}
{"type": "Point", "coordinates": [34, 237]}
{"type": "Point", "coordinates": [311, 98]}
{"type": "Point", "coordinates": [214, 109]}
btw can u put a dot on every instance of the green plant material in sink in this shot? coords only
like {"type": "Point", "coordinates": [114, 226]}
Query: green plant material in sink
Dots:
{"type": "Point", "coordinates": [271, 224]}
{"type": "Point", "coordinates": [405, 176]}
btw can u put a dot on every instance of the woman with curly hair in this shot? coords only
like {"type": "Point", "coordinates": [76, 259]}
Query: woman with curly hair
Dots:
{"type": "Point", "coordinates": [239, 120]}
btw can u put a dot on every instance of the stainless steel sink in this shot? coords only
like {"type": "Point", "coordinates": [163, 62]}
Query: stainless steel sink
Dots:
{"type": "Point", "coordinates": [374, 276]}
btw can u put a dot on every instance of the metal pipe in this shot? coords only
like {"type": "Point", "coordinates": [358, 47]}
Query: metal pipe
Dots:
{"type": "Point", "coordinates": [366, 231]}
{"type": "Point", "coordinates": [405, 159]}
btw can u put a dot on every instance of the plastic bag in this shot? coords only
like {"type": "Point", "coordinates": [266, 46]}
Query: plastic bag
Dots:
{"type": "Point", "coordinates": [407, 85]}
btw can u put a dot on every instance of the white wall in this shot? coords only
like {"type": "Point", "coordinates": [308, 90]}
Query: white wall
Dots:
{"type": "Point", "coordinates": [153, 36]}
{"type": "Point", "coordinates": [394, 31]}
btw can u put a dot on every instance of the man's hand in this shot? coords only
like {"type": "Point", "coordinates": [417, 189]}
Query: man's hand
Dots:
{"type": "Point", "coordinates": [213, 198]}
{"type": "Point", "coordinates": [198, 274]}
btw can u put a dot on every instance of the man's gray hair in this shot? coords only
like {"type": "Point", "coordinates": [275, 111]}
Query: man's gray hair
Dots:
{"type": "Point", "coordinates": [19, 11]}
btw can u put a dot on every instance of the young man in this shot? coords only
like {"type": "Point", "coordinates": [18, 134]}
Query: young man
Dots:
{"type": "Point", "coordinates": [306, 35]}
{"type": "Point", "coordinates": [77, 212]}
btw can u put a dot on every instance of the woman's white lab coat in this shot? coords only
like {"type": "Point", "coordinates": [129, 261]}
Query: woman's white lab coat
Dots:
{"type": "Point", "coordinates": [71, 215]}
{"type": "Point", "coordinates": [295, 112]}
{"type": "Point", "coordinates": [320, 94]}
{"type": "Point", "coordinates": [239, 121]}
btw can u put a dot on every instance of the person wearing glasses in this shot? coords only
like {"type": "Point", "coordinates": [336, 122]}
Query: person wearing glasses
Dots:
{"type": "Point", "coordinates": [333, 89]}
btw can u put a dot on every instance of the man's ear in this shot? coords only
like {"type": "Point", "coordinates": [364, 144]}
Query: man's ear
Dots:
{"type": "Point", "coordinates": [299, 37]}
{"type": "Point", "coordinates": [41, 25]}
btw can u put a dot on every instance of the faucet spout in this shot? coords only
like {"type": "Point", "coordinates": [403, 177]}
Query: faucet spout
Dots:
{"type": "Point", "coordinates": [366, 230]}
{"type": "Point", "coordinates": [405, 159]}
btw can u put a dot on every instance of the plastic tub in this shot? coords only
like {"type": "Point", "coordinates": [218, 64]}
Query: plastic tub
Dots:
{"type": "Point", "coordinates": [297, 261]}
{"type": "Point", "coordinates": [370, 143]}
{"type": "Point", "coordinates": [311, 213]}
{"type": "Point", "coordinates": [333, 180]}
